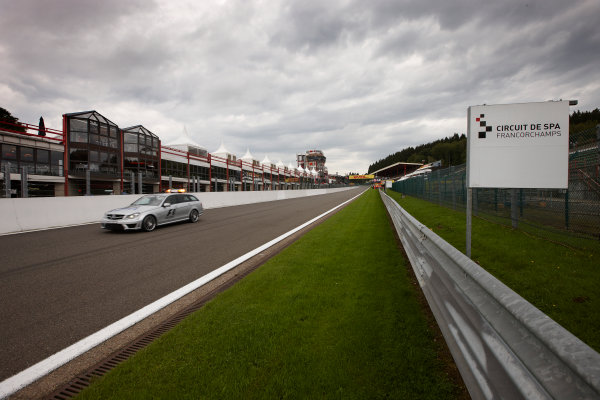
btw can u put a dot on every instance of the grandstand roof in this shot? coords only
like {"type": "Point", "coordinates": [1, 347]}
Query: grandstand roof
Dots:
{"type": "Point", "coordinates": [395, 170]}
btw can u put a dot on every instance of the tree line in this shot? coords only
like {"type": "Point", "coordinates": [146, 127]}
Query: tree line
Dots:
{"type": "Point", "coordinates": [453, 150]}
{"type": "Point", "coordinates": [584, 120]}
{"type": "Point", "coordinates": [450, 150]}
{"type": "Point", "coordinates": [13, 122]}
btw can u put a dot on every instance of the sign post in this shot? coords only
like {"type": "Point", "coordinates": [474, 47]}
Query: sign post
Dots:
{"type": "Point", "coordinates": [516, 146]}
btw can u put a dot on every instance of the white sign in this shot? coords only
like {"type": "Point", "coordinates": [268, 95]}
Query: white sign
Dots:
{"type": "Point", "coordinates": [518, 145]}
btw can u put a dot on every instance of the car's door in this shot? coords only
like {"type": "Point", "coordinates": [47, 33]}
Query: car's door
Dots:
{"type": "Point", "coordinates": [170, 212]}
{"type": "Point", "coordinates": [185, 206]}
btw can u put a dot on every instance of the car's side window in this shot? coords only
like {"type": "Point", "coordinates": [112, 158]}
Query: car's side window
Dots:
{"type": "Point", "coordinates": [172, 200]}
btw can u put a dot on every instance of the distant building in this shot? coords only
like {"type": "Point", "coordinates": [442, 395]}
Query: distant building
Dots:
{"type": "Point", "coordinates": [313, 160]}
{"type": "Point", "coordinates": [91, 155]}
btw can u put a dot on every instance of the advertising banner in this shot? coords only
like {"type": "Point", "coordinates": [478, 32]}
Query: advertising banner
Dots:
{"type": "Point", "coordinates": [361, 176]}
{"type": "Point", "coordinates": [518, 145]}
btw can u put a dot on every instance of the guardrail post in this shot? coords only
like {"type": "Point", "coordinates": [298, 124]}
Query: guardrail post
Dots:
{"type": "Point", "coordinates": [140, 191]}
{"type": "Point", "coordinates": [170, 182]}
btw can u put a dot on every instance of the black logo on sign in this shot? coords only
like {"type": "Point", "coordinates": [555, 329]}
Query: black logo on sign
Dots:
{"type": "Point", "coordinates": [483, 128]}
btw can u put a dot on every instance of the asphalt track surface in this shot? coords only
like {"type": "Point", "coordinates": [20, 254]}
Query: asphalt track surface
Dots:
{"type": "Point", "coordinates": [59, 286]}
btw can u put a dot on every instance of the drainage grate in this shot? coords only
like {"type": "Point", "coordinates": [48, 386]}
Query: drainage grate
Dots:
{"type": "Point", "coordinates": [74, 387]}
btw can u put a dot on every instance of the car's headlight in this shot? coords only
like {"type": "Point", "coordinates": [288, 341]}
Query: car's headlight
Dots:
{"type": "Point", "coordinates": [132, 216]}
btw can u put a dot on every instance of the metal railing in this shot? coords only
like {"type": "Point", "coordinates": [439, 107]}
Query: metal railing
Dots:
{"type": "Point", "coordinates": [503, 346]}
{"type": "Point", "coordinates": [218, 173]}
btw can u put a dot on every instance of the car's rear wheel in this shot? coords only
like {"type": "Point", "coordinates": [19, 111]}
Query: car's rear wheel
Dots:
{"type": "Point", "coordinates": [149, 223]}
{"type": "Point", "coordinates": [194, 216]}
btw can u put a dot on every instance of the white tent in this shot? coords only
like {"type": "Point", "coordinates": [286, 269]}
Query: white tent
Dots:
{"type": "Point", "coordinates": [222, 152]}
{"type": "Point", "coordinates": [249, 158]}
{"type": "Point", "coordinates": [266, 161]}
{"type": "Point", "coordinates": [184, 140]}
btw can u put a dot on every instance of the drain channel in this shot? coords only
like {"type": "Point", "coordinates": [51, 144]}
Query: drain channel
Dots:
{"type": "Point", "coordinates": [80, 382]}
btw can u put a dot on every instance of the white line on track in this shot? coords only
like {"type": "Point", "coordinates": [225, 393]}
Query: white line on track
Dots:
{"type": "Point", "coordinates": [49, 228]}
{"type": "Point", "coordinates": [44, 367]}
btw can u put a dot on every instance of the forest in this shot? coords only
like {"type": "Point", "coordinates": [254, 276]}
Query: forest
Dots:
{"type": "Point", "coordinates": [453, 150]}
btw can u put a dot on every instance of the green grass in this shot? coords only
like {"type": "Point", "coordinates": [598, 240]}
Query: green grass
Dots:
{"type": "Point", "coordinates": [333, 316]}
{"type": "Point", "coordinates": [560, 276]}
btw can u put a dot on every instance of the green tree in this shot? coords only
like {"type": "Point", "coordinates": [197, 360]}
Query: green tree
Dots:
{"type": "Point", "coordinates": [450, 150]}
{"type": "Point", "coordinates": [11, 123]}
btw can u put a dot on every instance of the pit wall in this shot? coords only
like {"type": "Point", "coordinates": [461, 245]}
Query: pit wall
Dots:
{"type": "Point", "coordinates": [21, 215]}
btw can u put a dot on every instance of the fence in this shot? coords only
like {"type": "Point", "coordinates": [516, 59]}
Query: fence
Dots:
{"type": "Point", "coordinates": [576, 209]}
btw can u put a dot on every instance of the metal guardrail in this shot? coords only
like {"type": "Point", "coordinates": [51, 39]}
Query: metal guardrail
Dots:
{"type": "Point", "coordinates": [503, 346]}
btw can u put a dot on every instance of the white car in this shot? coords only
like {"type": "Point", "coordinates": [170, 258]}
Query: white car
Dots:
{"type": "Point", "coordinates": [152, 210]}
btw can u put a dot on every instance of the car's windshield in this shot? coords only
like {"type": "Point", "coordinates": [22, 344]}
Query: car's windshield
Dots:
{"type": "Point", "coordinates": [147, 201]}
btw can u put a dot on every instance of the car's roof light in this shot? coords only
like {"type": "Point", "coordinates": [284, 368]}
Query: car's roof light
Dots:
{"type": "Point", "coordinates": [175, 191]}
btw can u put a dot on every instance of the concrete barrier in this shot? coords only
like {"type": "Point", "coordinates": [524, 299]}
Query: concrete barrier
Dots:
{"type": "Point", "coordinates": [21, 215]}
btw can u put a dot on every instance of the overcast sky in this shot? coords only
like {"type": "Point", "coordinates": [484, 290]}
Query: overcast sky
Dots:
{"type": "Point", "coordinates": [357, 79]}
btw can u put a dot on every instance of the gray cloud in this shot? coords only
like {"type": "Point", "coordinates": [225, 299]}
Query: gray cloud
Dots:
{"type": "Point", "coordinates": [357, 79]}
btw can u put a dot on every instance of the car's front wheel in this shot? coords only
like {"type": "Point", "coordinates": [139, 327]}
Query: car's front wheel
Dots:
{"type": "Point", "coordinates": [149, 223]}
{"type": "Point", "coordinates": [194, 216]}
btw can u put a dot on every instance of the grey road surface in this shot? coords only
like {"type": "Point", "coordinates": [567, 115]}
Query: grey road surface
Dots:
{"type": "Point", "coordinates": [59, 286]}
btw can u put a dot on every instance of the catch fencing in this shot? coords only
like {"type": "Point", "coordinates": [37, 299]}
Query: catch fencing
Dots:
{"type": "Point", "coordinates": [503, 346]}
{"type": "Point", "coordinates": [576, 209]}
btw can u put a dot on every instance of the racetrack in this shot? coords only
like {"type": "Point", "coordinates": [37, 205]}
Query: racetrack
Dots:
{"type": "Point", "coordinates": [58, 286]}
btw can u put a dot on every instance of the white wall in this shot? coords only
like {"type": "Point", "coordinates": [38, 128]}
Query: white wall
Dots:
{"type": "Point", "coordinates": [19, 215]}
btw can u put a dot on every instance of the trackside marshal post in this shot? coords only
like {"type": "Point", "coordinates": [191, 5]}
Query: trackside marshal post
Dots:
{"type": "Point", "coordinates": [517, 146]}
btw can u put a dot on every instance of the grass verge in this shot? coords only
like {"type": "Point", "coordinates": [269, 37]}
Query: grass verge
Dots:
{"type": "Point", "coordinates": [561, 280]}
{"type": "Point", "coordinates": [332, 316]}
